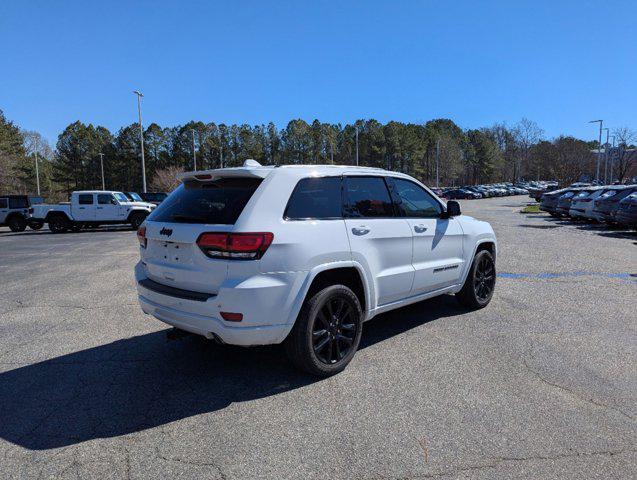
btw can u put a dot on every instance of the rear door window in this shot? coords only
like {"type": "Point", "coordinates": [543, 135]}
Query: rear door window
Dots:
{"type": "Point", "coordinates": [85, 199]}
{"type": "Point", "coordinates": [3, 203]}
{"type": "Point", "coordinates": [367, 197]}
{"type": "Point", "coordinates": [219, 202]}
{"type": "Point", "coordinates": [315, 198]}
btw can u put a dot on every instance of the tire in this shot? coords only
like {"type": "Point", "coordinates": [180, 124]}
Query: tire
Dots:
{"type": "Point", "coordinates": [36, 225]}
{"type": "Point", "coordinates": [321, 354]}
{"type": "Point", "coordinates": [58, 224]}
{"type": "Point", "coordinates": [136, 220]}
{"type": "Point", "coordinates": [479, 286]}
{"type": "Point", "coordinates": [17, 224]}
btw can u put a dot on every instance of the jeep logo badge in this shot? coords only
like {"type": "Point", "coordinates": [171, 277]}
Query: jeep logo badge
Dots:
{"type": "Point", "coordinates": [166, 231]}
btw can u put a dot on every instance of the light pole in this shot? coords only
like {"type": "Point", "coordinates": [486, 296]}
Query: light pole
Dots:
{"type": "Point", "coordinates": [599, 145]}
{"type": "Point", "coordinates": [612, 160]}
{"type": "Point", "coordinates": [357, 145]}
{"type": "Point", "coordinates": [37, 168]}
{"type": "Point", "coordinates": [102, 168]}
{"type": "Point", "coordinates": [194, 155]}
{"type": "Point", "coordinates": [606, 158]}
{"type": "Point", "coordinates": [141, 135]}
{"type": "Point", "coordinates": [437, 160]}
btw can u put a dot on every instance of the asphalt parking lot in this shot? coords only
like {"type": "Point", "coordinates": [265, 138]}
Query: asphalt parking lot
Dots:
{"type": "Point", "coordinates": [540, 384]}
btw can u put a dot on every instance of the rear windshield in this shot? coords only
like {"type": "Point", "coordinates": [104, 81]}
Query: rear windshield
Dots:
{"type": "Point", "coordinates": [219, 202]}
{"type": "Point", "coordinates": [18, 202]}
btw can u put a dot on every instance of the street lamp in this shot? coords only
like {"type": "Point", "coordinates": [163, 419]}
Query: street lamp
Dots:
{"type": "Point", "coordinates": [141, 135]}
{"type": "Point", "coordinates": [102, 168]}
{"type": "Point", "coordinates": [599, 145]}
{"type": "Point", "coordinates": [357, 145]}
{"type": "Point", "coordinates": [606, 158]}
{"type": "Point", "coordinates": [194, 156]}
{"type": "Point", "coordinates": [612, 160]}
{"type": "Point", "coordinates": [37, 168]}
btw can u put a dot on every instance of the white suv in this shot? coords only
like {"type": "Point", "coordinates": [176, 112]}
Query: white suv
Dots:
{"type": "Point", "coordinates": [304, 255]}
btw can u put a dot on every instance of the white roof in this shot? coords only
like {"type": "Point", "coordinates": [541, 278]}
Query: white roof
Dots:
{"type": "Point", "coordinates": [261, 171]}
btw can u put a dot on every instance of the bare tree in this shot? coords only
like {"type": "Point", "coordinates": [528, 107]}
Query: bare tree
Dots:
{"type": "Point", "coordinates": [526, 134]}
{"type": "Point", "coordinates": [625, 154]}
{"type": "Point", "coordinates": [34, 142]}
{"type": "Point", "coordinates": [165, 180]}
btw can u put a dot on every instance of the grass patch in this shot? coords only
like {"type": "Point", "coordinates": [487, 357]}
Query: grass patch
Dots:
{"type": "Point", "coordinates": [531, 209]}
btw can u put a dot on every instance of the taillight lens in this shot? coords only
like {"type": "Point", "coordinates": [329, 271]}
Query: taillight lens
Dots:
{"type": "Point", "coordinates": [141, 236]}
{"type": "Point", "coordinates": [237, 246]}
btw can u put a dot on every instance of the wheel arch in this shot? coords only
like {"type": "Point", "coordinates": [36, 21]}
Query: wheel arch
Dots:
{"type": "Point", "coordinates": [346, 273]}
{"type": "Point", "coordinates": [137, 211]}
{"type": "Point", "coordinates": [13, 215]}
{"type": "Point", "coordinates": [56, 213]}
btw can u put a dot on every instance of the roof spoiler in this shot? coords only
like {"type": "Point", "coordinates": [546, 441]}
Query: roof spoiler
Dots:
{"type": "Point", "coordinates": [251, 168]}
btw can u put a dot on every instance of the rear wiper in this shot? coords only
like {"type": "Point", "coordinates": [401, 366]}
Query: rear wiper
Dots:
{"type": "Point", "coordinates": [187, 218]}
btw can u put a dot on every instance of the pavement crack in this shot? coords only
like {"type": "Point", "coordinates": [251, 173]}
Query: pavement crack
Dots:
{"type": "Point", "coordinates": [184, 461]}
{"type": "Point", "coordinates": [574, 393]}
{"type": "Point", "coordinates": [497, 461]}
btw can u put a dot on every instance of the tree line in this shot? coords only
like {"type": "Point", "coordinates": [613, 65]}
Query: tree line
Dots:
{"type": "Point", "coordinates": [436, 149]}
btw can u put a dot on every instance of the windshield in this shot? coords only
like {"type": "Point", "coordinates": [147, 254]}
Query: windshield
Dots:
{"type": "Point", "coordinates": [120, 197]}
{"type": "Point", "coordinates": [135, 197]}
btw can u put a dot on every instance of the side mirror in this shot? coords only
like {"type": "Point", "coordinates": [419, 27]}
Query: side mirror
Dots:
{"type": "Point", "coordinates": [114, 202]}
{"type": "Point", "coordinates": [453, 209]}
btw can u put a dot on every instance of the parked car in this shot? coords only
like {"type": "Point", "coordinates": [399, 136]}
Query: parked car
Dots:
{"type": "Point", "coordinates": [627, 211]}
{"type": "Point", "coordinates": [548, 201]}
{"type": "Point", "coordinates": [304, 255]}
{"type": "Point", "coordinates": [14, 212]}
{"type": "Point", "coordinates": [583, 201]}
{"type": "Point", "coordinates": [606, 205]}
{"type": "Point", "coordinates": [138, 200]}
{"type": "Point", "coordinates": [154, 197]}
{"type": "Point", "coordinates": [91, 208]}
{"type": "Point", "coordinates": [564, 201]}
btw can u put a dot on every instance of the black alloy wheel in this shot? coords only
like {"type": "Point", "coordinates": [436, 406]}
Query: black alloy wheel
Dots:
{"type": "Point", "coordinates": [334, 330]}
{"type": "Point", "coordinates": [484, 279]}
{"type": "Point", "coordinates": [58, 224]}
{"type": "Point", "coordinates": [17, 224]}
{"type": "Point", "coordinates": [479, 286]}
{"type": "Point", "coordinates": [327, 331]}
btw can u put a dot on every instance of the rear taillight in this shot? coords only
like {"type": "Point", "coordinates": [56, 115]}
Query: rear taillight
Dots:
{"type": "Point", "coordinates": [236, 246]}
{"type": "Point", "coordinates": [141, 236]}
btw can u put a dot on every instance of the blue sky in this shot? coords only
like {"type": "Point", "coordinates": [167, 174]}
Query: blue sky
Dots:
{"type": "Point", "coordinates": [559, 63]}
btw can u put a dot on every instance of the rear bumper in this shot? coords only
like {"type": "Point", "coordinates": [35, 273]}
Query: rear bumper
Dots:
{"type": "Point", "coordinates": [211, 327]}
{"type": "Point", "coordinates": [267, 303]}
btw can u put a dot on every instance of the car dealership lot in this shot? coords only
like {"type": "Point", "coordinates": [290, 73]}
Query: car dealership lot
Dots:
{"type": "Point", "coordinates": [540, 384]}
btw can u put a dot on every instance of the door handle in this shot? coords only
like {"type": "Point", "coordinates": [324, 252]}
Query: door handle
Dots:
{"type": "Point", "coordinates": [362, 230]}
{"type": "Point", "coordinates": [420, 229]}
{"type": "Point", "coordinates": [81, 208]}
{"type": "Point", "coordinates": [100, 208]}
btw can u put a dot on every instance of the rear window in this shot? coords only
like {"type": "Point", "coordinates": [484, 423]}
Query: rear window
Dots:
{"type": "Point", "coordinates": [18, 202]}
{"type": "Point", "coordinates": [315, 198]}
{"type": "Point", "coordinates": [219, 202]}
{"type": "Point", "coordinates": [3, 203]}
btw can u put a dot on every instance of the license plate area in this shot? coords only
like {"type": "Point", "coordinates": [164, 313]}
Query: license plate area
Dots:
{"type": "Point", "coordinates": [173, 252]}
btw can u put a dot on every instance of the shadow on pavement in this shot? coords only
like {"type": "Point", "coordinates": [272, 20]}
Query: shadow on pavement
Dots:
{"type": "Point", "coordinates": [45, 231]}
{"type": "Point", "coordinates": [142, 382]}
